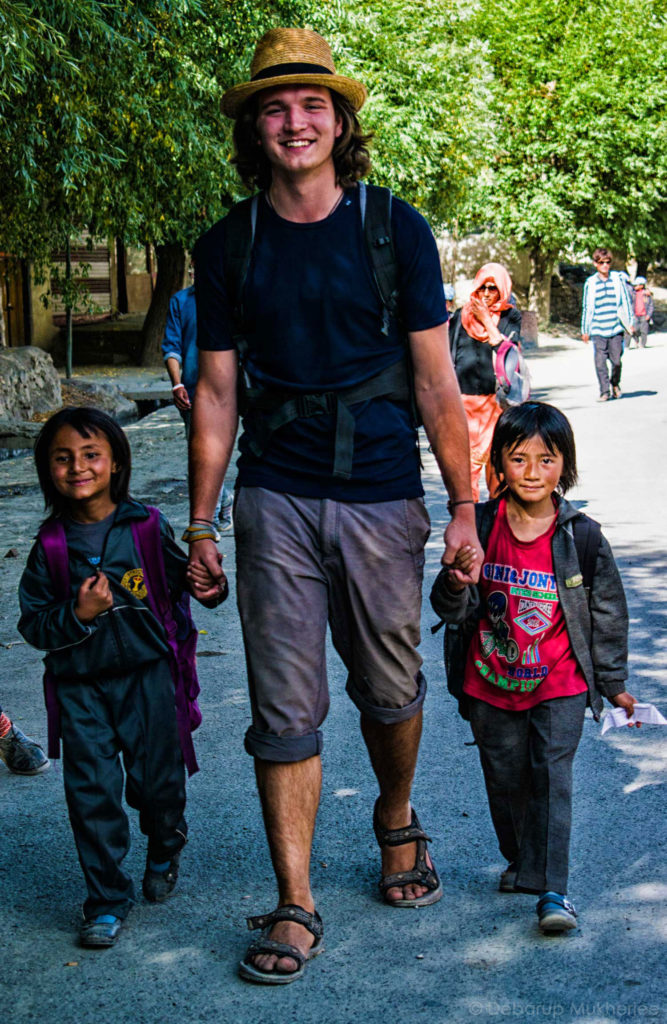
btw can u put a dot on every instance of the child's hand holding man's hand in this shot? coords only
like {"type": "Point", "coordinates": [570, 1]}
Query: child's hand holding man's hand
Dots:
{"type": "Point", "coordinates": [459, 570]}
{"type": "Point", "coordinates": [94, 597]}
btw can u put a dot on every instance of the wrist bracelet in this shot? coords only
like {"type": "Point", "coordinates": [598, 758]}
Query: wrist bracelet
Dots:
{"type": "Point", "coordinates": [463, 501]}
{"type": "Point", "coordinates": [177, 386]}
{"type": "Point", "coordinates": [196, 532]}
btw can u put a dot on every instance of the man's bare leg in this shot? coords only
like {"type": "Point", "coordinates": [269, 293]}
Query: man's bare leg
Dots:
{"type": "Point", "coordinates": [290, 796]}
{"type": "Point", "coordinates": [393, 752]}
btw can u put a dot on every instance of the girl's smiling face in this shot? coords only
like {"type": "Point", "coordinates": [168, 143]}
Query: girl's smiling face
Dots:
{"type": "Point", "coordinates": [532, 473]}
{"type": "Point", "coordinates": [81, 468]}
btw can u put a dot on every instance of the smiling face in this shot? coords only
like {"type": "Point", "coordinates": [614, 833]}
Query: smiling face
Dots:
{"type": "Point", "coordinates": [532, 474]}
{"type": "Point", "coordinates": [81, 469]}
{"type": "Point", "coordinates": [298, 127]}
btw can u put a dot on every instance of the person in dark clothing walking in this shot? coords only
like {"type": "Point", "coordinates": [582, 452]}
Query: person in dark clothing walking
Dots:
{"type": "Point", "coordinates": [109, 655]}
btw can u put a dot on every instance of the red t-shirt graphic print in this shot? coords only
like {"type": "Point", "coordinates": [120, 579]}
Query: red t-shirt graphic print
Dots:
{"type": "Point", "coordinates": [521, 652]}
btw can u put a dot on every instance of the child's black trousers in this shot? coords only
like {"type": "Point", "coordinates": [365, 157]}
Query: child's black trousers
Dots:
{"type": "Point", "coordinates": [527, 763]}
{"type": "Point", "coordinates": [132, 715]}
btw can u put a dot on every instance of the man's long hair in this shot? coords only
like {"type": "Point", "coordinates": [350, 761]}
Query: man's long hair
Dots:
{"type": "Point", "coordinates": [350, 153]}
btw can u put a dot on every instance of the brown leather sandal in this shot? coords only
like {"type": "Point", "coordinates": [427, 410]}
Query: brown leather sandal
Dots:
{"type": "Point", "coordinates": [290, 912]}
{"type": "Point", "coordinates": [421, 874]}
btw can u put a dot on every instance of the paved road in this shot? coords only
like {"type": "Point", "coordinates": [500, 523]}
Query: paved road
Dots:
{"type": "Point", "coordinates": [476, 955]}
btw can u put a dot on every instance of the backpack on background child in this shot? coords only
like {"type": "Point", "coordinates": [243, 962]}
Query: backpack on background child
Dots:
{"type": "Point", "coordinates": [103, 595]}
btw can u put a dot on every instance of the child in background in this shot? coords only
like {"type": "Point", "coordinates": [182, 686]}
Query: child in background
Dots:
{"type": "Point", "coordinates": [110, 657]}
{"type": "Point", "coordinates": [541, 650]}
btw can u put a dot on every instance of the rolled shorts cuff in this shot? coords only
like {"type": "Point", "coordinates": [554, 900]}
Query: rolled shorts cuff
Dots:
{"type": "Point", "coordinates": [388, 716]}
{"type": "Point", "coordinates": [268, 747]}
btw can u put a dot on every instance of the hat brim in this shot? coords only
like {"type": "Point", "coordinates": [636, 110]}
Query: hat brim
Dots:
{"type": "Point", "coordinates": [353, 91]}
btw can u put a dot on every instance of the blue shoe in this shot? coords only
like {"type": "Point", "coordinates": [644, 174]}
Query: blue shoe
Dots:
{"type": "Point", "coordinates": [225, 517]}
{"type": "Point", "coordinates": [555, 913]}
{"type": "Point", "coordinates": [100, 932]}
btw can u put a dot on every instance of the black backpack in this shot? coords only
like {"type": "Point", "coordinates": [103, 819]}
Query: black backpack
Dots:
{"type": "Point", "coordinates": [268, 409]}
{"type": "Point", "coordinates": [586, 533]}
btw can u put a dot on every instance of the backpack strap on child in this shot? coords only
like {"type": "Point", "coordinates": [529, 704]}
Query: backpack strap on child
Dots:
{"type": "Point", "coordinates": [51, 536]}
{"type": "Point", "coordinates": [182, 662]}
{"type": "Point", "coordinates": [586, 534]}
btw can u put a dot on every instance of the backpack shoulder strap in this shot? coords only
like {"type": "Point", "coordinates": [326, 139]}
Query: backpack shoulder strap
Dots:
{"type": "Point", "coordinates": [485, 516]}
{"type": "Point", "coordinates": [54, 544]}
{"type": "Point", "coordinates": [586, 533]}
{"type": "Point", "coordinates": [240, 230]}
{"type": "Point", "coordinates": [375, 208]}
{"type": "Point", "coordinates": [454, 339]}
{"type": "Point", "coordinates": [52, 537]}
{"type": "Point", "coordinates": [146, 534]}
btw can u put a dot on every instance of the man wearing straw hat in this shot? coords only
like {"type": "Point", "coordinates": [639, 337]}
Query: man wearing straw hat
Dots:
{"type": "Point", "coordinates": [329, 518]}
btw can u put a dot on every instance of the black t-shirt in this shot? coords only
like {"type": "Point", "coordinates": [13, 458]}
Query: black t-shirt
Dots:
{"type": "Point", "coordinates": [314, 322]}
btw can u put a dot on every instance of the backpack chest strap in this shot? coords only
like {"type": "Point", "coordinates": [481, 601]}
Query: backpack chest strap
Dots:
{"type": "Point", "coordinates": [278, 408]}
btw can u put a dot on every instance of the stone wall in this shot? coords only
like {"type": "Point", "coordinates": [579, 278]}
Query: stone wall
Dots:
{"type": "Point", "coordinates": [29, 383]}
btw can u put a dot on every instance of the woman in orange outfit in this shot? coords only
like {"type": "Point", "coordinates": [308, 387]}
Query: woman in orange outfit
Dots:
{"type": "Point", "coordinates": [475, 331]}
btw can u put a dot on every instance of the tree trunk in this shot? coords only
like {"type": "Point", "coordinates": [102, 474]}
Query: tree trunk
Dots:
{"type": "Point", "coordinates": [539, 289]}
{"type": "Point", "coordinates": [170, 271]}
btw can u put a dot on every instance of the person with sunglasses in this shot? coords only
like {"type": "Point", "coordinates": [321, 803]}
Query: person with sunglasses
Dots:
{"type": "Point", "coordinates": [475, 331]}
{"type": "Point", "coordinates": [606, 314]}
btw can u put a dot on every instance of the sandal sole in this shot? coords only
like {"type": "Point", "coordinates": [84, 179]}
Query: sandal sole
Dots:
{"type": "Point", "coordinates": [427, 900]}
{"type": "Point", "coordinates": [250, 973]}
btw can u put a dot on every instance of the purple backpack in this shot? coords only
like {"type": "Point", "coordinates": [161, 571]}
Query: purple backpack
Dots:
{"type": "Point", "coordinates": [175, 617]}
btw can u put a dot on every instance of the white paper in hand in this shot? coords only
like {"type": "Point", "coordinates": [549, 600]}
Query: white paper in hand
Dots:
{"type": "Point", "coordinates": [617, 718]}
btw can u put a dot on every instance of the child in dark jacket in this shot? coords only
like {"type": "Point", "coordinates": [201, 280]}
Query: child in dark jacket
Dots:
{"type": "Point", "coordinates": [541, 649]}
{"type": "Point", "coordinates": [110, 657]}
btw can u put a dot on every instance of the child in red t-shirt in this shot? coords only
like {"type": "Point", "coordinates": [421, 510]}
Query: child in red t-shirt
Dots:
{"type": "Point", "coordinates": [541, 650]}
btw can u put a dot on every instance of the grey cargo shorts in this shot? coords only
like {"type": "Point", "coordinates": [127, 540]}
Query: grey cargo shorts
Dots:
{"type": "Point", "coordinates": [303, 563]}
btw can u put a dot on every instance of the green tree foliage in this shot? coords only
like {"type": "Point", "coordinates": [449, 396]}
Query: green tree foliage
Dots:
{"type": "Point", "coordinates": [429, 92]}
{"type": "Point", "coordinates": [579, 100]}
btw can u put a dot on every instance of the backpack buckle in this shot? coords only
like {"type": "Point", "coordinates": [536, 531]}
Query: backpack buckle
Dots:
{"type": "Point", "coordinates": [314, 405]}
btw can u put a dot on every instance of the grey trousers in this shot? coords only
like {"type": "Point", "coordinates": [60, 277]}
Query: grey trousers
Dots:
{"type": "Point", "coordinates": [134, 716]}
{"type": "Point", "coordinates": [608, 349]}
{"type": "Point", "coordinates": [527, 763]}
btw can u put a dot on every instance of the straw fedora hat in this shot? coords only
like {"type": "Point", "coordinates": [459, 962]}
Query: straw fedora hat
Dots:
{"type": "Point", "coordinates": [292, 56]}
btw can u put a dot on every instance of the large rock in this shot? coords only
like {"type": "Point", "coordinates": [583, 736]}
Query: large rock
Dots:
{"type": "Point", "coordinates": [102, 395]}
{"type": "Point", "coordinates": [29, 383]}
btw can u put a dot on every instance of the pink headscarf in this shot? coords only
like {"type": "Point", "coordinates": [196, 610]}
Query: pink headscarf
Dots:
{"type": "Point", "coordinates": [496, 273]}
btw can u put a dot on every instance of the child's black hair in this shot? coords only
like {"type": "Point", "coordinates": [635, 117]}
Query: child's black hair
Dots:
{"type": "Point", "coordinates": [86, 421]}
{"type": "Point", "coordinates": [520, 422]}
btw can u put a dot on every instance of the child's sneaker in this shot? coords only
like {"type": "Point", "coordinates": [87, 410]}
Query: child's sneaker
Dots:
{"type": "Point", "coordinates": [100, 932]}
{"type": "Point", "coordinates": [225, 517]}
{"type": "Point", "coordinates": [21, 754]}
{"type": "Point", "coordinates": [555, 913]}
{"type": "Point", "coordinates": [158, 884]}
{"type": "Point", "coordinates": [507, 881]}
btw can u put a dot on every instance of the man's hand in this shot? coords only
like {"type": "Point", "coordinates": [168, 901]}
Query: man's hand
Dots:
{"type": "Point", "coordinates": [94, 597]}
{"type": "Point", "coordinates": [181, 400]}
{"type": "Point", "coordinates": [585, 338]}
{"type": "Point", "coordinates": [206, 579]}
{"type": "Point", "coordinates": [462, 548]}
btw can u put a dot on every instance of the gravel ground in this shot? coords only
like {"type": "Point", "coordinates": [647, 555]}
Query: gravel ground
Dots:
{"type": "Point", "coordinates": [475, 955]}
